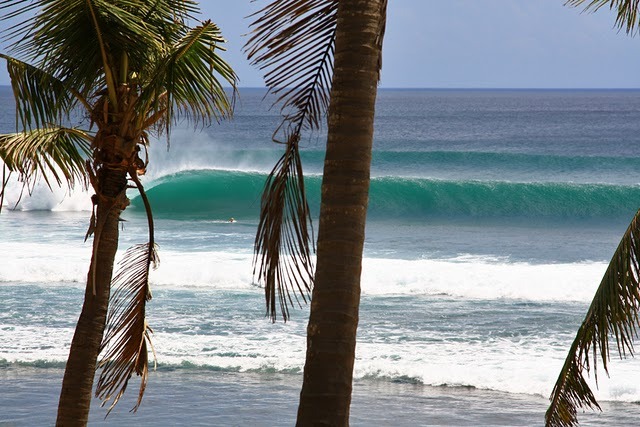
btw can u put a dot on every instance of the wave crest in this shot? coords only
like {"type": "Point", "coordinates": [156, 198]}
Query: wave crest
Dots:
{"type": "Point", "coordinates": [224, 193]}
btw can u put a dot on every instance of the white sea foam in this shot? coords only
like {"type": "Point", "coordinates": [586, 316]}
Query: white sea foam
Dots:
{"type": "Point", "coordinates": [216, 270]}
{"type": "Point", "coordinates": [476, 278]}
{"type": "Point", "coordinates": [44, 262]}
{"type": "Point", "coordinates": [482, 278]}
{"type": "Point", "coordinates": [34, 343]}
{"type": "Point", "coordinates": [529, 366]}
{"type": "Point", "coordinates": [226, 339]}
{"type": "Point", "coordinates": [52, 263]}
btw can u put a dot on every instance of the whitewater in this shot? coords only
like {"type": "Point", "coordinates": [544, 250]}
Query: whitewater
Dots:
{"type": "Point", "coordinates": [493, 215]}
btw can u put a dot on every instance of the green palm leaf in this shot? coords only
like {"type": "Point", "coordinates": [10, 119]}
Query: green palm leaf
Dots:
{"type": "Point", "coordinates": [109, 35]}
{"type": "Point", "coordinates": [41, 99]}
{"type": "Point", "coordinates": [613, 312]}
{"type": "Point", "coordinates": [50, 152]}
{"type": "Point", "coordinates": [293, 42]}
{"type": "Point", "coordinates": [626, 11]}
{"type": "Point", "coordinates": [68, 29]}
{"type": "Point", "coordinates": [187, 79]}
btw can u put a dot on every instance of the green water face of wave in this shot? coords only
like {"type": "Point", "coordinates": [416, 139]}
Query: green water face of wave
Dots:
{"type": "Point", "coordinates": [220, 194]}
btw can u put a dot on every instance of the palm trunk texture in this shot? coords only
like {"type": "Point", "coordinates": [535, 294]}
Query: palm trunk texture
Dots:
{"type": "Point", "coordinates": [77, 385]}
{"type": "Point", "coordinates": [331, 333]}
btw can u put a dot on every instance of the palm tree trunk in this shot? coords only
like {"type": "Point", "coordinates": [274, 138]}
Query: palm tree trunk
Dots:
{"type": "Point", "coordinates": [331, 334]}
{"type": "Point", "coordinates": [77, 385]}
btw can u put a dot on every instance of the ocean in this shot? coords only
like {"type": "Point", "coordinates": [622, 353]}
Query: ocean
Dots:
{"type": "Point", "coordinates": [493, 215]}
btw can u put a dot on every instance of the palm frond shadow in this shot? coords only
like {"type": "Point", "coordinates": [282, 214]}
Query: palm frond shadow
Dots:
{"type": "Point", "coordinates": [613, 313]}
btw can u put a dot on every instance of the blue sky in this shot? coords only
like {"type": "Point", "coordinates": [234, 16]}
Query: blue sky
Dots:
{"type": "Point", "coordinates": [474, 44]}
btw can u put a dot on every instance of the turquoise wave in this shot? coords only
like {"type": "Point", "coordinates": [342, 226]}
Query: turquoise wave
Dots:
{"type": "Point", "coordinates": [477, 199]}
{"type": "Point", "coordinates": [220, 194]}
{"type": "Point", "coordinates": [214, 194]}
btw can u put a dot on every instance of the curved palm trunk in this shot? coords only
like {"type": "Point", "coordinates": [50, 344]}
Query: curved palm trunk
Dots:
{"type": "Point", "coordinates": [331, 334]}
{"type": "Point", "coordinates": [75, 398]}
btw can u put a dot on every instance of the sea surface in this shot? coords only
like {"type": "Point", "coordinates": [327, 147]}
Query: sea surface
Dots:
{"type": "Point", "coordinates": [493, 215]}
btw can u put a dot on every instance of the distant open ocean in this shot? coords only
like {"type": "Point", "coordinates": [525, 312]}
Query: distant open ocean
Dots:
{"type": "Point", "coordinates": [493, 215]}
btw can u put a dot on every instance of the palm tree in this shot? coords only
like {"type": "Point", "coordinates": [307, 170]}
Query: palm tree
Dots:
{"type": "Point", "coordinates": [297, 41]}
{"type": "Point", "coordinates": [615, 307]}
{"type": "Point", "coordinates": [135, 67]}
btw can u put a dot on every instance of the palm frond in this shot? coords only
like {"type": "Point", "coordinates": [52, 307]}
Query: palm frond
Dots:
{"type": "Point", "coordinates": [124, 346]}
{"type": "Point", "coordinates": [293, 41]}
{"type": "Point", "coordinates": [107, 66]}
{"type": "Point", "coordinates": [282, 255]}
{"type": "Point", "coordinates": [41, 99]}
{"type": "Point", "coordinates": [613, 313]}
{"type": "Point", "coordinates": [168, 17]}
{"type": "Point", "coordinates": [126, 339]}
{"type": "Point", "coordinates": [626, 11]}
{"type": "Point", "coordinates": [12, 9]}
{"type": "Point", "coordinates": [50, 152]}
{"type": "Point", "coordinates": [64, 30]}
{"type": "Point", "coordinates": [6, 175]}
{"type": "Point", "coordinates": [98, 31]}
{"type": "Point", "coordinates": [188, 79]}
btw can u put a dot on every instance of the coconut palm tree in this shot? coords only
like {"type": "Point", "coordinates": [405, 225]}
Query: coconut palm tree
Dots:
{"type": "Point", "coordinates": [300, 43]}
{"type": "Point", "coordinates": [133, 67]}
{"type": "Point", "coordinates": [614, 311]}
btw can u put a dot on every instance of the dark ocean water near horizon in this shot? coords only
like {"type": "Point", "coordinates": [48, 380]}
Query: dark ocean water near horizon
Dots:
{"type": "Point", "coordinates": [493, 214]}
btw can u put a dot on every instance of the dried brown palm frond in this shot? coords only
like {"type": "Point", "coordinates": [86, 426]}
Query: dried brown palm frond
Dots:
{"type": "Point", "coordinates": [125, 343]}
{"type": "Point", "coordinates": [626, 11]}
{"type": "Point", "coordinates": [293, 42]}
{"type": "Point", "coordinates": [613, 313]}
{"type": "Point", "coordinates": [283, 257]}
{"type": "Point", "coordinates": [3, 184]}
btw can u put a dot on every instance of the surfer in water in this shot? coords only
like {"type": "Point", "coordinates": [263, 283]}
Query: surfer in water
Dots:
{"type": "Point", "coordinates": [232, 219]}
